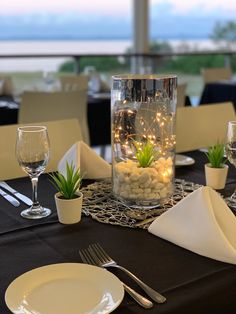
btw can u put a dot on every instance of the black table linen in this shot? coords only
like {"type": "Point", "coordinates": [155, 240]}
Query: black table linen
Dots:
{"type": "Point", "coordinates": [217, 92]}
{"type": "Point", "coordinates": [191, 283]}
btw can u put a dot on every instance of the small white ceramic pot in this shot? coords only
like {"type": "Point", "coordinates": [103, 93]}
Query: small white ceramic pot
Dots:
{"type": "Point", "coordinates": [216, 177]}
{"type": "Point", "coordinates": [69, 210]}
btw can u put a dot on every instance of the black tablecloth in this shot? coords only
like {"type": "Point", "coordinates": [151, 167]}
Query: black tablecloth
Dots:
{"type": "Point", "coordinates": [191, 283]}
{"type": "Point", "coordinates": [219, 92]}
{"type": "Point", "coordinates": [99, 120]}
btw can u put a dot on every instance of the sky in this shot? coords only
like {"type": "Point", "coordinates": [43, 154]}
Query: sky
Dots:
{"type": "Point", "coordinates": [112, 7]}
{"type": "Point", "coordinates": [100, 19]}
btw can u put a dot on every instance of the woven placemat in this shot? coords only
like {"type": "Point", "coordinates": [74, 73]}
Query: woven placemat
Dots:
{"type": "Point", "coordinates": [101, 205]}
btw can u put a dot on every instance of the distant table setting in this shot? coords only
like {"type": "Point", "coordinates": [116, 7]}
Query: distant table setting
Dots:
{"type": "Point", "coordinates": [220, 91]}
{"type": "Point", "coordinates": [98, 113]}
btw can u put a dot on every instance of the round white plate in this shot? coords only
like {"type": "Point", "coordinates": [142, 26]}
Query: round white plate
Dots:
{"type": "Point", "coordinates": [182, 160]}
{"type": "Point", "coordinates": [65, 288]}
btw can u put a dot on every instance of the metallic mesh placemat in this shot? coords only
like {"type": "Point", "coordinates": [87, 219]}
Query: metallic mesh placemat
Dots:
{"type": "Point", "coordinates": [100, 204]}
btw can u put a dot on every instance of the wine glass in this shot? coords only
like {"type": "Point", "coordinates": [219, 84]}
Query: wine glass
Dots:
{"type": "Point", "coordinates": [231, 155]}
{"type": "Point", "coordinates": [32, 152]}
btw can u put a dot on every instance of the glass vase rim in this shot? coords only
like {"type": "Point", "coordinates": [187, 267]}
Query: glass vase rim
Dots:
{"type": "Point", "coordinates": [144, 76]}
{"type": "Point", "coordinates": [32, 128]}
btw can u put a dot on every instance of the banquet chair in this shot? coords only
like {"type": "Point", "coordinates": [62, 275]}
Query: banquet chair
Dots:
{"type": "Point", "coordinates": [181, 94]}
{"type": "Point", "coordinates": [74, 82]}
{"type": "Point", "coordinates": [210, 75]}
{"type": "Point", "coordinates": [7, 85]}
{"type": "Point", "coordinates": [62, 135]}
{"type": "Point", "coordinates": [45, 106]}
{"type": "Point", "coordinates": [202, 126]}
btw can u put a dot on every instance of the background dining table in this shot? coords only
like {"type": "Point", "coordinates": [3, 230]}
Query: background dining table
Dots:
{"type": "Point", "coordinates": [191, 283]}
{"type": "Point", "coordinates": [98, 113]}
{"type": "Point", "coordinates": [220, 91]}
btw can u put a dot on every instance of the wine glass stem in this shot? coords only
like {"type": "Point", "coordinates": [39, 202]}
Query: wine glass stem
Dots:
{"type": "Point", "coordinates": [34, 181]}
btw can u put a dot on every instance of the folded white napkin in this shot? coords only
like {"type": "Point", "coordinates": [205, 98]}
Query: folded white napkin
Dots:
{"type": "Point", "coordinates": [91, 165]}
{"type": "Point", "coordinates": [202, 223]}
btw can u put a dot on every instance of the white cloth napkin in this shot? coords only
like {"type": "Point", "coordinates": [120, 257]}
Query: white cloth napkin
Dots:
{"type": "Point", "coordinates": [203, 223]}
{"type": "Point", "coordinates": [91, 165]}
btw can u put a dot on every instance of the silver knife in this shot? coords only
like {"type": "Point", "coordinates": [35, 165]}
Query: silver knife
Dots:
{"type": "Point", "coordinates": [20, 196]}
{"type": "Point", "coordinates": [10, 198]}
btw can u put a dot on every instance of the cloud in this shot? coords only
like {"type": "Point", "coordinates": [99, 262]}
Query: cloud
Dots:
{"type": "Point", "coordinates": [122, 8]}
{"type": "Point", "coordinates": [60, 6]}
{"type": "Point", "coordinates": [199, 6]}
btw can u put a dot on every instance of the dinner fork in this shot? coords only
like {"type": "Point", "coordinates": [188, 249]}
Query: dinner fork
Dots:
{"type": "Point", "coordinates": [88, 258]}
{"type": "Point", "coordinates": [106, 261]}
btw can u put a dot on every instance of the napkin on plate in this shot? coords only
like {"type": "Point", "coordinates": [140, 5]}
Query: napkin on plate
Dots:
{"type": "Point", "coordinates": [91, 165]}
{"type": "Point", "coordinates": [202, 223]}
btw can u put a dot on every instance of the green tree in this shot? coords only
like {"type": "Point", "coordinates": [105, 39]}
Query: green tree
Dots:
{"type": "Point", "coordinates": [102, 64]}
{"type": "Point", "coordinates": [156, 46]}
{"type": "Point", "coordinates": [193, 64]}
{"type": "Point", "coordinates": [225, 32]}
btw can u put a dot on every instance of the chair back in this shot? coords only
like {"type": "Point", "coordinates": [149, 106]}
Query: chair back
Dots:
{"type": "Point", "coordinates": [62, 135]}
{"type": "Point", "coordinates": [7, 85]}
{"type": "Point", "coordinates": [210, 75]}
{"type": "Point", "coordinates": [74, 82]}
{"type": "Point", "coordinates": [181, 94]}
{"type": "Point", "coordinates": [50, 106]}
{"type": "Point", "coordinates": [202, 126]}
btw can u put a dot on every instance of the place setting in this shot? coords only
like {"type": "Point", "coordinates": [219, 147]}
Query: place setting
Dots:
{"type": "Point", "coordinates": [183, 160]}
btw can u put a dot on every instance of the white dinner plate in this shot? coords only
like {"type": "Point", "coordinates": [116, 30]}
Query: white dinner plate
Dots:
{"type": "Point", "coordinates": [183, 160]}
{"type": "Point", "coordinates": [66, 288]}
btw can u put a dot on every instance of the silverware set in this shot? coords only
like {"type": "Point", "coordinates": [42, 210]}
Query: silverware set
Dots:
{"type": "Point", "coordinates": [13, 199]}
{"type": "Point", "coordinates": [96, 255]}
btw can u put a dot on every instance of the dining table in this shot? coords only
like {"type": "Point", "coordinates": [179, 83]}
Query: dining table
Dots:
{"type": "Point", "coordinates": [190, 282]}
{"type": "Point", "coordinates": [219, 91]}
{"type": "Point", "coordinates": [98, 115]}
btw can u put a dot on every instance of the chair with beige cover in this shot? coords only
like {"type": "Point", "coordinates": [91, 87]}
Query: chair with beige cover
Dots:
{"type": "Point", "coordinates": [202, 126]}
{"type": "Point", "coordinates": [210, 75]}
{"type": "Point", "coordinates": [181, 94]}
{"type": "Point", "coordinates": [44, 106]}
{"type": "Point", "coordinates": [6, 85]}
{"type": "Point", "coordinates": [74, 82]}
{"type": "Point", "coordinates": [62, 135]}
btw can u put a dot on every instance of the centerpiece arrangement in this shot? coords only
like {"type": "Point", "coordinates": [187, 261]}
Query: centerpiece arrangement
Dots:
{"type": "Point", "coordinates": [216, 170]}
{"type": "Point", "coordinates": [68, 198]}
{"type": "Point", "coordinates": [143, 138]}
{"type": "Point", "coordinates": [146, 178]}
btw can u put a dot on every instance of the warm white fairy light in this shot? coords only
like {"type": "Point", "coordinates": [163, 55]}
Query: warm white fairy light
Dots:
{"type": "Point", "coordinates": [156, 129]}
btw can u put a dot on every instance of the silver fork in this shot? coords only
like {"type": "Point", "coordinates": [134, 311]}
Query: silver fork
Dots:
{"type": "Point", "coordinates": [88, 257]}
{"type": "Point", "coordinates": [107, 261]}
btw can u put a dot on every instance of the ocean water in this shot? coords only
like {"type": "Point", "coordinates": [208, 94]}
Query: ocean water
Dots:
{"type": "Point", "coordinates": [73, 47]}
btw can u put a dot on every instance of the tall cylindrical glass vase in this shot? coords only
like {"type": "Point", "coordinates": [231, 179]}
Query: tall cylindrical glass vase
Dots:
{"type": "Point", "coordinates": [143, 138]}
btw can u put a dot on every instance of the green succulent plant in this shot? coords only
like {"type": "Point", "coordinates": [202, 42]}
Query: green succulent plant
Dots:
{"type": "Point", "coordinates": [216, 155]}
{"type": "Point", "coordinates": [69, 184]}
{"type": "Point", "coordinates": [145, 153]}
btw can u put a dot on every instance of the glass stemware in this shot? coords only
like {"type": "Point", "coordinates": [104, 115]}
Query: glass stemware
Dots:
{"type": "Point", "coordinates": [231, 155]}
{"type": "Point", "coordinates": [32, 152]}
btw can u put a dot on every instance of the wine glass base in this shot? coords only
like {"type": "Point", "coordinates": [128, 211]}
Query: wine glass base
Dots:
{"type": "Point", "coordinates": [33, 214]}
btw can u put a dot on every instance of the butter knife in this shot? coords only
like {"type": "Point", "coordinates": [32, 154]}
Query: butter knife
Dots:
{"type": "Point", "coordinates": [10, 198]}
{"type": "Point", "coordinates": [20, 196]}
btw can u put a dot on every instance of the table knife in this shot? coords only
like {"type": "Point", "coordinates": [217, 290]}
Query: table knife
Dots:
{"type": "Point", "coordinates": [20, 196]}
{"type": "Point", "coordinates": [10, 198]}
